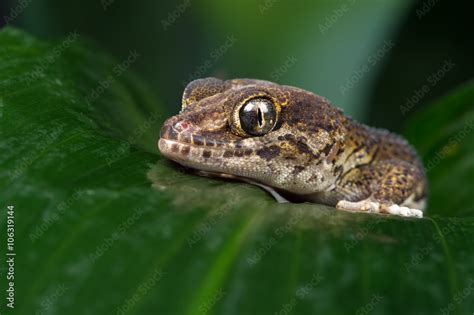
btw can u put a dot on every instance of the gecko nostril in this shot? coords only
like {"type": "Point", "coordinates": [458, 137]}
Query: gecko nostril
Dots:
{"type": "Point", "coordinates": [181, 125]}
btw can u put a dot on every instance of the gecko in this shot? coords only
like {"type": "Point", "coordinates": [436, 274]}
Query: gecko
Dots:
{"type": "Point", "coordinates": [294, 144]}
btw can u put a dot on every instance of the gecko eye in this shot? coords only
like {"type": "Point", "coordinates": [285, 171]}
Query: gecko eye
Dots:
{"type": "Point", "coordinates": [257, 116]}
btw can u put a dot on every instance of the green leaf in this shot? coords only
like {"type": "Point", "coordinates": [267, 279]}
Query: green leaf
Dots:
{"type": "Point", "coordinates": [105, 225]}
{"type": "Point", "coordinates": [443, 134]}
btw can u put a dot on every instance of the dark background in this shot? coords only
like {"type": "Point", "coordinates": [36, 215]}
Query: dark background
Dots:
{"type": "Point", "coordinates": [279, 41]}
{"type": "Point", "coordinates": [360, 256]}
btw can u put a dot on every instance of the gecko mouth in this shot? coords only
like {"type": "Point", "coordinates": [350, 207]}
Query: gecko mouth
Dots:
{"type": "Point", "coordinates": [203, 160]}
{"type": "Point", "coordinates": [180, 143]}
{"type": "Point", "coordinates": [182, 136]}
{"type": "Point", "coordinates": [182, 151]}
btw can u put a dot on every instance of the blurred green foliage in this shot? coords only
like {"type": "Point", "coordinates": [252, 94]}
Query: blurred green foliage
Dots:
{"type": "Point", "coordinates": [334, 48]}
{"type": "Point", "coordinates": [104, 227]}
{"type": "Point", "coordinates": [443, 134]}
{"type": "Point", "coordinates": [317, 45]}
{"type": "Point", "coordinates": [66, 126]}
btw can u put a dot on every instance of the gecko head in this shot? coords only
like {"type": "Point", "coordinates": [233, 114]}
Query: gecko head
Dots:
{"type": "Point", "coordinates": [250, 129]}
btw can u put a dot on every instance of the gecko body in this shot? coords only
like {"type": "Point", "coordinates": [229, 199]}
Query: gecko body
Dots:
{"type": "Point", "coordinates": [296, 145]}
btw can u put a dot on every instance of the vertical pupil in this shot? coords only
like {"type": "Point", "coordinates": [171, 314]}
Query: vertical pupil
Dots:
{"type": "Point", "coordinates": [260, 117]}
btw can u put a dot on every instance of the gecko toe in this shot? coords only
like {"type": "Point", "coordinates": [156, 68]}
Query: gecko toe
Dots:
{"type": "Point", "coordinates": [404, 211]}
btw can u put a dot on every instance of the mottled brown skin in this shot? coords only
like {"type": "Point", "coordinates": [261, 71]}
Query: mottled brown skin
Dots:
{"type": "Point", "coordinates": [313, 153]}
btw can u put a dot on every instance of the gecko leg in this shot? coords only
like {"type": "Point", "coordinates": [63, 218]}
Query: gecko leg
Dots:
{"type": "Point", "coordinates": [393, 187]}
